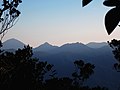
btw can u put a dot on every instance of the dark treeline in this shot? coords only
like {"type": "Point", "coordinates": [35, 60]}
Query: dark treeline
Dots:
{"type": "Point", "coordinates": [19, 71]}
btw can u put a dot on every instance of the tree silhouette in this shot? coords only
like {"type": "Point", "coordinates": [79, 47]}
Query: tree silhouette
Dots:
{"type": "Point", "coordinates": [76, 82]}
{"type": "Point", "coordinates": [112, 17]}
{"type": "Point", "coordinates": [115, 45]}
{"type": "Point", "coordinates": [82, 72]}
{"type": "Point", "coordinates": [20, 71]}
{"type": "Point", "coordinates": [8, 15]}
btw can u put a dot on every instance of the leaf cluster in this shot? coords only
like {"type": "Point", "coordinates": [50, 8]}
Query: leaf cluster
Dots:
{"type": "Point", "coordinates": [8, 14]}
{"type": "Point", "coordinates": [115, 45]}
{"type": "Point", "coordinates": [83, 71]}
{"type": "Point", "coordinates": [112, 17]}
{"type": "Point", "coordinates": [11, 6]}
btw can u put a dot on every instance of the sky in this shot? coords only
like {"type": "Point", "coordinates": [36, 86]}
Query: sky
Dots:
{"type": "Point", "coordinates": [61, 21]}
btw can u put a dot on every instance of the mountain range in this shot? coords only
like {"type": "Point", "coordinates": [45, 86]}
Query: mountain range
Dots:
{"type": "Point", "coordinates": [62, 57]}
{"type": "Point", "coordinates": [15, 44]}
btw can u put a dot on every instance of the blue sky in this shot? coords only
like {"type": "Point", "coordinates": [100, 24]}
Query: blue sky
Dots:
{"type": "Point", "coordinates": [61, 21]}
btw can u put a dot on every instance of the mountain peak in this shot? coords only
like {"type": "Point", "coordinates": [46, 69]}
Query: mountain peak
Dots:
{"type": "Point", "coordinates": [11, 40]}
{"type": "Point", "coordinates": [47, 44]}
{"type": "Point", "coordinates": [45, 47]}
{"type": "Point", "coordinates": [12, 44]}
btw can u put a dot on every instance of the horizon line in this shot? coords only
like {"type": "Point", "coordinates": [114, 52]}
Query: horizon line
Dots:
{"type": "Point", "coordinates": [55, 44]}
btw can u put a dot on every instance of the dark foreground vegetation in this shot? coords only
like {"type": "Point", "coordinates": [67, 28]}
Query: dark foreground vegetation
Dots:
{"type": "Point", "coordinates": [19, 71]}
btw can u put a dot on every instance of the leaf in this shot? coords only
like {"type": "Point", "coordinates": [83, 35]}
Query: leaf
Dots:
{"type": "Point", "coordinates": [85, 2]}
{"type": "Point", "coordinates": [112, 19]}
{"type": "Point", "coordinates": [111, 3]}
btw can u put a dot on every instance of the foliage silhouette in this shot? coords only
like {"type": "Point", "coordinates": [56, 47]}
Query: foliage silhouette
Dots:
{"type": "Point", "coordinates": [85, 2]}
{"type": "Point", "coordinates": [115, 45]}
{"type": "Point", "coordinates": [111, 3]}
{"type": "Point", "coordinates": [112, 17]}
{"type": "Point", "coordinates": [82, 72]}
{"type": "Point", "coordinates": [19, 71]}
{"type": "Point", "coordinates": [8, 15]}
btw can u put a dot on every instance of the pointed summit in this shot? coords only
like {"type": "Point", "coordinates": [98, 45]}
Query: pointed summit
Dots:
{"type": "Point", "coordinates": [12, 44]}
{"type": "Point", "coordinates": [45, 47]}
{"type": "Point", "coordinates": [46, 44]}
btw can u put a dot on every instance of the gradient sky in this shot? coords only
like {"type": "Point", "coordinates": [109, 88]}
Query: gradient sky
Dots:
{"type": "Point", "coordinates": [61, 21]}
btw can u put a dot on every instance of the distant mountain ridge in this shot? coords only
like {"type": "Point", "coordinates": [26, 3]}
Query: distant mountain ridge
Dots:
{"type": "Point", "coordinates": [99, 54]}
{"type": "Point", "coordinates": [15, 44]}
{"type": "Point", "coordinates": [96, 45]}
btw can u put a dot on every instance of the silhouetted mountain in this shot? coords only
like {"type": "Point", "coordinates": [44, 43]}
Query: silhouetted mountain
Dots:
{"type": "Point", "coordinates": [12, 44]}
{"type": "Point", "coordinates": [62, 58]}
{"type": "Point", "coordinates": [74, 47]}
{"type": "Point", "coordinates": [45, 47]}
{"type": "Point", "coordinates": [65, 55]}
{"type": "Point", "coordinates": [96, 45]}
